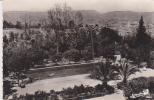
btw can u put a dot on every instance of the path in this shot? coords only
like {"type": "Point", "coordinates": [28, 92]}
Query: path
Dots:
{"type": "Point", "coordinates": [57, 84]}
{"type": "Point", "coordinates": [69, 81]}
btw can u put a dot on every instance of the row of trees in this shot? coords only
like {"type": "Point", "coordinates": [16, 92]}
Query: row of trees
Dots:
{"type": "Point", "coordinates": [6, 24]}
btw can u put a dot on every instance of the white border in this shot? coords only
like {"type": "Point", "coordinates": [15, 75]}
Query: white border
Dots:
{"type": "Point", "coordinates": [1, 50]}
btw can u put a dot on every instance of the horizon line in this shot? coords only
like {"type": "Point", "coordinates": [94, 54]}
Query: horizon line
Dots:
{"type": "Point", "coordinates": [84, 10]}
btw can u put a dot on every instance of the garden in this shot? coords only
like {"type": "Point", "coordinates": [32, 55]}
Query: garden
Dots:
{"type": "Point", "coordinates": [76, 93]}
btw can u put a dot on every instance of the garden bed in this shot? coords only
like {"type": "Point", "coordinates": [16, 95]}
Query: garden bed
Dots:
{"type": "Point", "coordinates": [76, 93]}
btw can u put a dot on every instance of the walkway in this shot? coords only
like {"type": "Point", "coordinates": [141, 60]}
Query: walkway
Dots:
{"type": "Point", "coordinates": [69, 81]}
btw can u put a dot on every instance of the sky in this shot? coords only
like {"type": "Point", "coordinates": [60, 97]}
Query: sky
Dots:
{"type": "Point", "coordinates": [99, 5]}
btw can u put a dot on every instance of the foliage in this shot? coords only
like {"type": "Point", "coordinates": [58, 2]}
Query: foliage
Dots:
{"type": "Point", "coordinates": [5, 41]}
{"type": "Point", "coordinates": [72, 55]}
{"type": "Point", "coordinates": [12, 37]}
{"type": "Point", "coordinates": [109, 36]}
{"type": "Point", "coordinates": [151, 84]}
{"type": "Point", "coordinates": [21, 56]}
{"type": "Point", "coordinates": [125, 70]}
{"type": "Point", "coordinates": [104, 71]}
{"type": "Point", "coordinates": [7, 24]}
{"type": "Point", "coordinates": [87, 53]}
{"type": "Point", "coordinates": [56, 58]}
{"type": "Point", "coordinates": [62, 18]}
{"type": "Point", "coordinates": [142, 39]}
{"type": "Point", "coordinates": [137, 85]}
{"type": "Point", "coordinates": [7, 88]}
{"type": "Point", "coordinates": [18, 25]}
{"type": "Point", "coordinates": [107, 51]}
{"type": "Point", "coordinates": [107, 40]}
{"type": "Point", "coordinates": [76, 93]}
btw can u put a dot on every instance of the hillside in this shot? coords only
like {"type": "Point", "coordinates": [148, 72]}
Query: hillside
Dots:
{"type": "Point", "coordinates": [90, 16]}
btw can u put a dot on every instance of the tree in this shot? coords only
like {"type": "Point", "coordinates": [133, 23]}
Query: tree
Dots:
{"type": "Point", "coordinates": [19, 59]}
{"type": "Point", "coordinates": [7, 88]}
{"type": "Point", "coordinates": [55, 17]}
{"type": "Point", "coordinates": [82, 38]}
{"type": "Point", "coordinates": [7, 24]}
{"type": "Point", "coordinates": [86, 53]}
{"type": "Point", "coordinates": [5, 40]}
{"type": "Point", "coordinates": [104, 71]}
{"type": "Point", "coordinates": [142, 41]}
{"type": "Point", "coordinates": [18, 25]}
{"type": "Point", "coordinates": [61, 18]}
{"type": "Point", "coordinates": [12, 37]}
{"type": "Point", "coordinates": [125, 70]}
{"type": "Point", "coordinates": [6, 54]}
{"type": "Point", "coordinates": [92, 38]}
{"type": "Point", "coordinates": [108, 38]}
{"type": "Point", "coordinates": [78, 17]}
{"type": "Point", "coordinates": [142, 38]}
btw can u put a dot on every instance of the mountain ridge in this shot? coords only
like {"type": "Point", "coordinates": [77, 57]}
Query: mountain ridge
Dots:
{"type": "Point", "coordinates": [90, 16]}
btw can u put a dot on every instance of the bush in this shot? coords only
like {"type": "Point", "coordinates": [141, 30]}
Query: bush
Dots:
{"type": "Point", "coordinates": [72, 55]}
{"type": "Point", "coordinates": [56, 58]}
{"type": "Point", "coordinates": [106, 89]}
{"type": "Point", "coordinates": [120, 85]}
{"type": "Point", "coordinates": [87, 54]}
{"type": "Point", "coordinates": [7, 88]}
{"type": "Point", "coordinates": [127, 91]}
{"type": "Point", "coordinates": [76, 93]}
{"type": "Point", "coordinates": [137, 85]}
{"type": "Point", "coordinates": [151, 84]}
{"type": "Point", "coordinates": [40, 95]}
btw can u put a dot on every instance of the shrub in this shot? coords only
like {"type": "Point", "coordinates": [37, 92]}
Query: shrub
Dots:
{"type": "Point", "coordinates": [138, 84]}
{"type": "Point", "coordinates": [101, 88]}
{"type": "Point", "coordinates": [40, 95]}
{"type": "Point", "coordinates": [151, 84]}
{"type": "Point", "coordinates": [28, 97]}
{"type": "Point", "coordinates": [121, 85]}
{"type": "Point", "coordinates": [7, 88]}
{"type": "Point", "coordinates": [110, 89]}
{"type": "Point", "coordinates": [76, 93]}
{"type": "Point", "coordinates": [56, 58]}
{"type": "Point", "coordinates": [127, 91]}
{"type": "Point", "coordinates": [87, 54]}
{"type": "Point", "coordinates": [72, 55]}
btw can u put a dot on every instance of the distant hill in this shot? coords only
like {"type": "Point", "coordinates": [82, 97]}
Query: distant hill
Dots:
{"type": "Point", "coordinates": [129, 16]}
{"type": "Point", "coordinates": [90, 16]}
{"type": "Point", "coordinates": [13, 16]}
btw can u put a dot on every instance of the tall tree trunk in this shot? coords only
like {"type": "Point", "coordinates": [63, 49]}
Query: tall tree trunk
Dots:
{"type": "Point", "coordinates": [105, 82]}
{"type": "Point", "coordinates": [57, 41]}
{"type": "Point", "coordinates": [18, 78]}
{"type": "Point", "coordinates": [125, 81]}
{"type": "Point", "coordinates": [92, 44]}
{"type": "Point", "coordinates": [57, 49]}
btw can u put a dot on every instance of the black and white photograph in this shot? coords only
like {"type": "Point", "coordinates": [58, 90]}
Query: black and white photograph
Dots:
{"type": "Point", "coordinates": [77, 49]}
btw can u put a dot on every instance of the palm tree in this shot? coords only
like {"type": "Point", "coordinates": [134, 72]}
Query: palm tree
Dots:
{"type": "Point", "coordinates": [104, 71]}
{"type": "Point", "coordinates": [125, 70]}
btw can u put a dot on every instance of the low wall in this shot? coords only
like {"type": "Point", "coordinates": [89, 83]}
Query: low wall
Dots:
{"type": "Point", "coordinates": [61, 71]}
